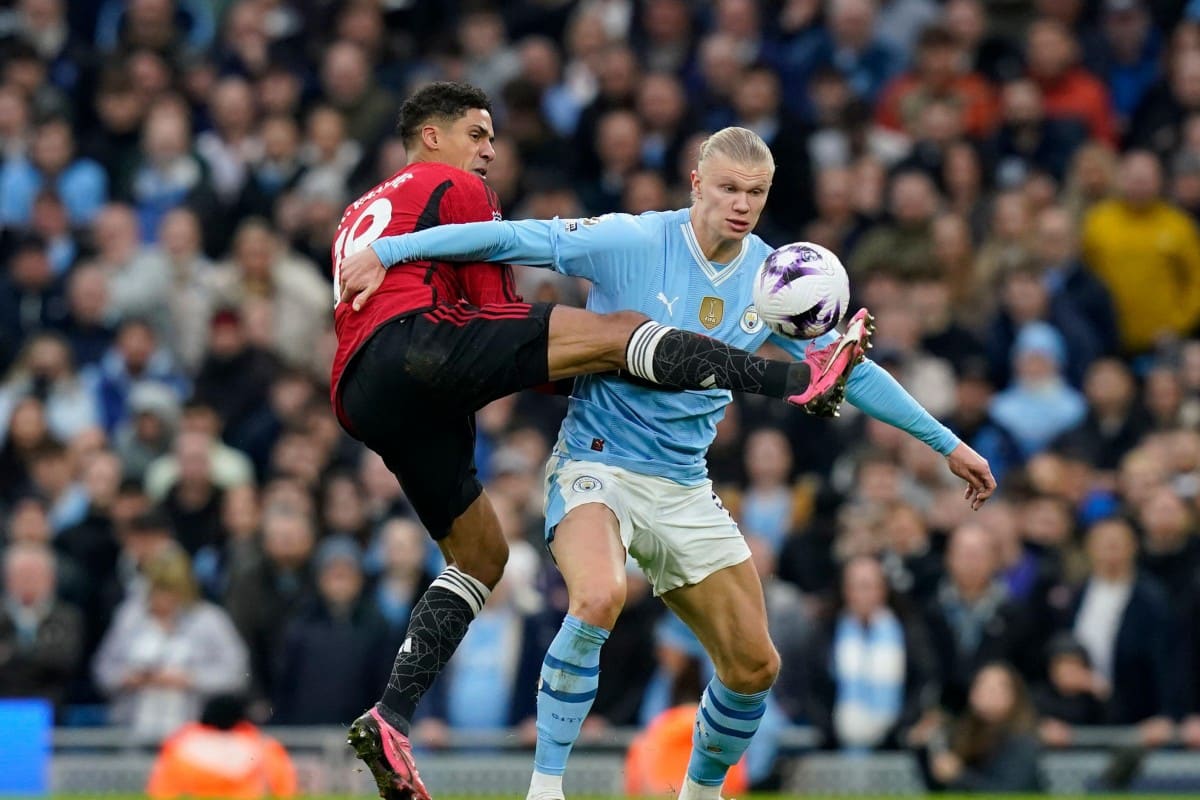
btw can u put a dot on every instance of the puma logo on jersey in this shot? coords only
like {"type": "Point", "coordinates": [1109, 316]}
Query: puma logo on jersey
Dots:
{"type": "Point", "coordinates": [668, 303]}
{"type": "Point", "coordinates": [407, 646]}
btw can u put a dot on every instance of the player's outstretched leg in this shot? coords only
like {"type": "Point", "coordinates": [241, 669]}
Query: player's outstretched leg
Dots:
{"type": "Point", "coordinates": [582, 342]}
{"type": "Point", "coordinates": [587, 547]}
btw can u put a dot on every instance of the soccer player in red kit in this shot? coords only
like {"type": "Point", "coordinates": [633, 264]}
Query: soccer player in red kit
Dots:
{"type": "Point", "coordinates": [438, 341]}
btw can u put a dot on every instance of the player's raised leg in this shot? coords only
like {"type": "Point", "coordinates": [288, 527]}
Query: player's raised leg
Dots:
{"type": "Point", "coordinates": [582, 342]}
{"type": "Point", "coordinates": [727, 613]}
{"type": "Point", "coordinates": [588, 550]}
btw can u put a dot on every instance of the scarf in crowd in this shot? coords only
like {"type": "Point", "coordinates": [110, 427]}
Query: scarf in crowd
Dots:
{"type": "Point", "coordinates": [868, 669]}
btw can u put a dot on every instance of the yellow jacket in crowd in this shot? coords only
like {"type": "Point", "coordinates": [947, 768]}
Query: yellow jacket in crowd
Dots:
{"type": "Point", "coordinates": [1150, 260]}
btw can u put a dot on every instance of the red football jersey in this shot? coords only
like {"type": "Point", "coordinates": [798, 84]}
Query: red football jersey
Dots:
{"type": "Point", "coordinates": [419, 196]}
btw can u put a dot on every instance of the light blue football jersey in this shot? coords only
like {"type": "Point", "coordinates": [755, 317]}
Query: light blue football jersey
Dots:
{"type": "Point", "coordinates": [652, 263]}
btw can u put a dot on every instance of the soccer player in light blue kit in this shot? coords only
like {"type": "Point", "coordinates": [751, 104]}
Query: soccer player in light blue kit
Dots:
{"type": "Point", "coordinates": [629, 472]}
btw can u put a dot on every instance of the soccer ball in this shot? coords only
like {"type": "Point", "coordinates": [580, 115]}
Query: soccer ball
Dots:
{"type": "Point", "coordinates": [802, 290]}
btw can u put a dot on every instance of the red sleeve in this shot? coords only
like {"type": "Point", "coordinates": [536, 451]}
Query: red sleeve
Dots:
{"type": "Point", "coordinates": [472, 200]}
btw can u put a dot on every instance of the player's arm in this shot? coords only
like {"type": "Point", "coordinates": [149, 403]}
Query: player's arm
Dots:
{"type": "Point", "coordinates": [581, 248]}
{"type": "Point", "coordinates": [874, 391]}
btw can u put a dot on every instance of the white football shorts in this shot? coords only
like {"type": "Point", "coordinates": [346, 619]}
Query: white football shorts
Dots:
{"type": "Point", "coordinates": [679, 535]}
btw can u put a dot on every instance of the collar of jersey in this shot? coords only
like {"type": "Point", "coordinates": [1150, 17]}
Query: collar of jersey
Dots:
{"type": "Point", "coordinates": [715, 276]}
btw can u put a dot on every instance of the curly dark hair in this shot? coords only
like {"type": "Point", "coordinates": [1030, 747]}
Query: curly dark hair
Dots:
{"type": "Point", "coordinates": [443, 100]}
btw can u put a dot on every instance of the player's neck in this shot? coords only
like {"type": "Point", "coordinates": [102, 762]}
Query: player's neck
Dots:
{"type": "Point", "coordinates": [716, 249]}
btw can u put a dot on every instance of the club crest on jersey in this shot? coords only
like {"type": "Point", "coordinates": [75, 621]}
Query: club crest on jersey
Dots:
{"type": "Point", "coordinates": [586, 484]}
{"type": "Point", "coordinates": [751, 322]}
{"type": "Point", "coordinates": [712, 311]}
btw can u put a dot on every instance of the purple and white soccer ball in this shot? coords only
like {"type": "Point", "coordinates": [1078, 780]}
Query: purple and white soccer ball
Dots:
{"type": "Point", "coordinates": [802, 290]}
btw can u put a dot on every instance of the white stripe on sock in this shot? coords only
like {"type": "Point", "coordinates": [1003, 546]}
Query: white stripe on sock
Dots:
{"type": "Point", "coordinates": [465, 586]}
{"type": "Point", "coordinates": [639, 354]}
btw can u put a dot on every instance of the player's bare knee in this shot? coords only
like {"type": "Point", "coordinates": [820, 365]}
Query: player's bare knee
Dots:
{"type": "Point", "coordinates": [599, 603]}
{"type": "Point", "coordinates": [486, 562]}
{"type": "Point", "coordinates": [753, 672]}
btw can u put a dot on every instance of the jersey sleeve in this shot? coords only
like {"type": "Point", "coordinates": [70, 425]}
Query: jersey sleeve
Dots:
{"type": "Point", "coordinates": [470, 199]}
{"type": "Point", "coordinates": [600, 249]}
{"type": "Point", "coordinates": [874, 391]}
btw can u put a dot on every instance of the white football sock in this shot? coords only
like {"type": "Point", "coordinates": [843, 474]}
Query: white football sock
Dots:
{"type": "Point", "coordinates": [698, 791]}
{"type": "Point", "coordinates": [545, 787]}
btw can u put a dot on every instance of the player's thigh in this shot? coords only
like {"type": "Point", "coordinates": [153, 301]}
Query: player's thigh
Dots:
{"type": "Point", "coordinates": [588, 550]}
{"type": "Point", "coordinates": [583, 342]}
{"type": "Point", "coordinates": [727, 613]}
{"type": "Point", "coordinates": [588, 527]}
{"type": "Point", "coordinates": [431, 452]}
{"type": "Point", "coordinates": [464, 357]}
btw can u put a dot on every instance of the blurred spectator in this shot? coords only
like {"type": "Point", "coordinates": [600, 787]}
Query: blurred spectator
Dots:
{"type": "Point", "coordinates": [773, 505]}
{"type": "Point", "coordinates": [851, 43]}
{"type": "Point", "coordinates": [1129, 58]}
{"type": "Point", "coordinates": [135, 358]}
{"type": "Point", "coordinates": [87, 326]}
{"type": "Point", "coordinates": [264, 594]}
{"type": "Point", "coordinates": [298, 298]}
{"type": "Point", "coordinates": [971, 621]}
{"type": "Point", "coordinates": [1026, 141]}
{"type": "Point", "coordinates": [1158, 120]}
{"type": "Point", "coordinates": [991, 53]}
{"type": "Point", "coordinates": [1073, 695]}
{"type": "Point", "coordinates": [1123, 620]}
{"type": "Point", "coordinates": [1068, 90]}
{"type": "Point", "coordinates": [991, 747]}
{"type": "Point", "coordinates": [52, 164]}
{"type": "Point", "coordinates": [618, 150]}
{"type": "Point", "coordinates": [1025, 299]}
{"type": "Point", "coordinates": [222, 755]}
{"type": "Point", "coordinates": [50, 221]}
{"type": "Point", "coordinates": [45, 370]}
{"type": "Point", "coordinates": [166, 653]}
{"type": "Point", "coordinates": [231, 146]}
{"type": "Point", "coordinates": [193, 500]}
{"type": "Point", "coordinates": [234, 377]}
{"type": "Point", "coordinates": [31, 297]}
{"type": "Point", "coordinates": [136, 286]}
{"type": "Point", "coordinates": [1069, 282]}
{"type": "Point", "coordinates": [1114, 423]}
{"type": "Point", "coordinates": [1039, 405]}
{"type": "Point", "coordinates": [368, 108]}
{"type": "Point", "coordinates": [937, 75]}
{"type": "Point", "coordinates": [903, 247]}
{"type": "Point", "coordinates": [335, 650]}
{"type": "Point", "coordinates": [40, 636]}
{"type": "Point", "coordinates": [228, 466]}
{"type": "Point", "coordinates": [1154, 289]}
{"type": "Point", "coordinates": [871, 672]}
{"type": "Point", "coordinates": [402, 578]}
{"type": "Point", "coordinates": [166, 174]}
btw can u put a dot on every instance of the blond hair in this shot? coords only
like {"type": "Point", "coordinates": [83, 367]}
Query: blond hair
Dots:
{"type": "Point", "coordinates": [740, 145]}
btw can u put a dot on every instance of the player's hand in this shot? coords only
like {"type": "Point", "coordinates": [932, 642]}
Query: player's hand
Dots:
{"type": "Point", "coordinates": [359, 276]}
{"type": "Point", "coordinates": [972, 468]}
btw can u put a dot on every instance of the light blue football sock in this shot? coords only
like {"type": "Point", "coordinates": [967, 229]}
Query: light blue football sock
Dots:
{"type": "Point", "coordinates": [725, 723]}
{"type": "Point", "coordinates": [570, 675]}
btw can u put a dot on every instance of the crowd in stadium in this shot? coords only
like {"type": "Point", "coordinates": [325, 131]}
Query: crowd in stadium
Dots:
{"type": "Point", "coordinates": [1014, 186]}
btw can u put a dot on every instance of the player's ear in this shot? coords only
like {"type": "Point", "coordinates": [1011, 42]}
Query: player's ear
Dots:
{"type": "Point", "coordinates": [430, 136]}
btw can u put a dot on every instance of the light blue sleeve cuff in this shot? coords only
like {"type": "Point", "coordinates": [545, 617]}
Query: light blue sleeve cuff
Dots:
{"type": "Point", "coordinates": [873, 390]}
